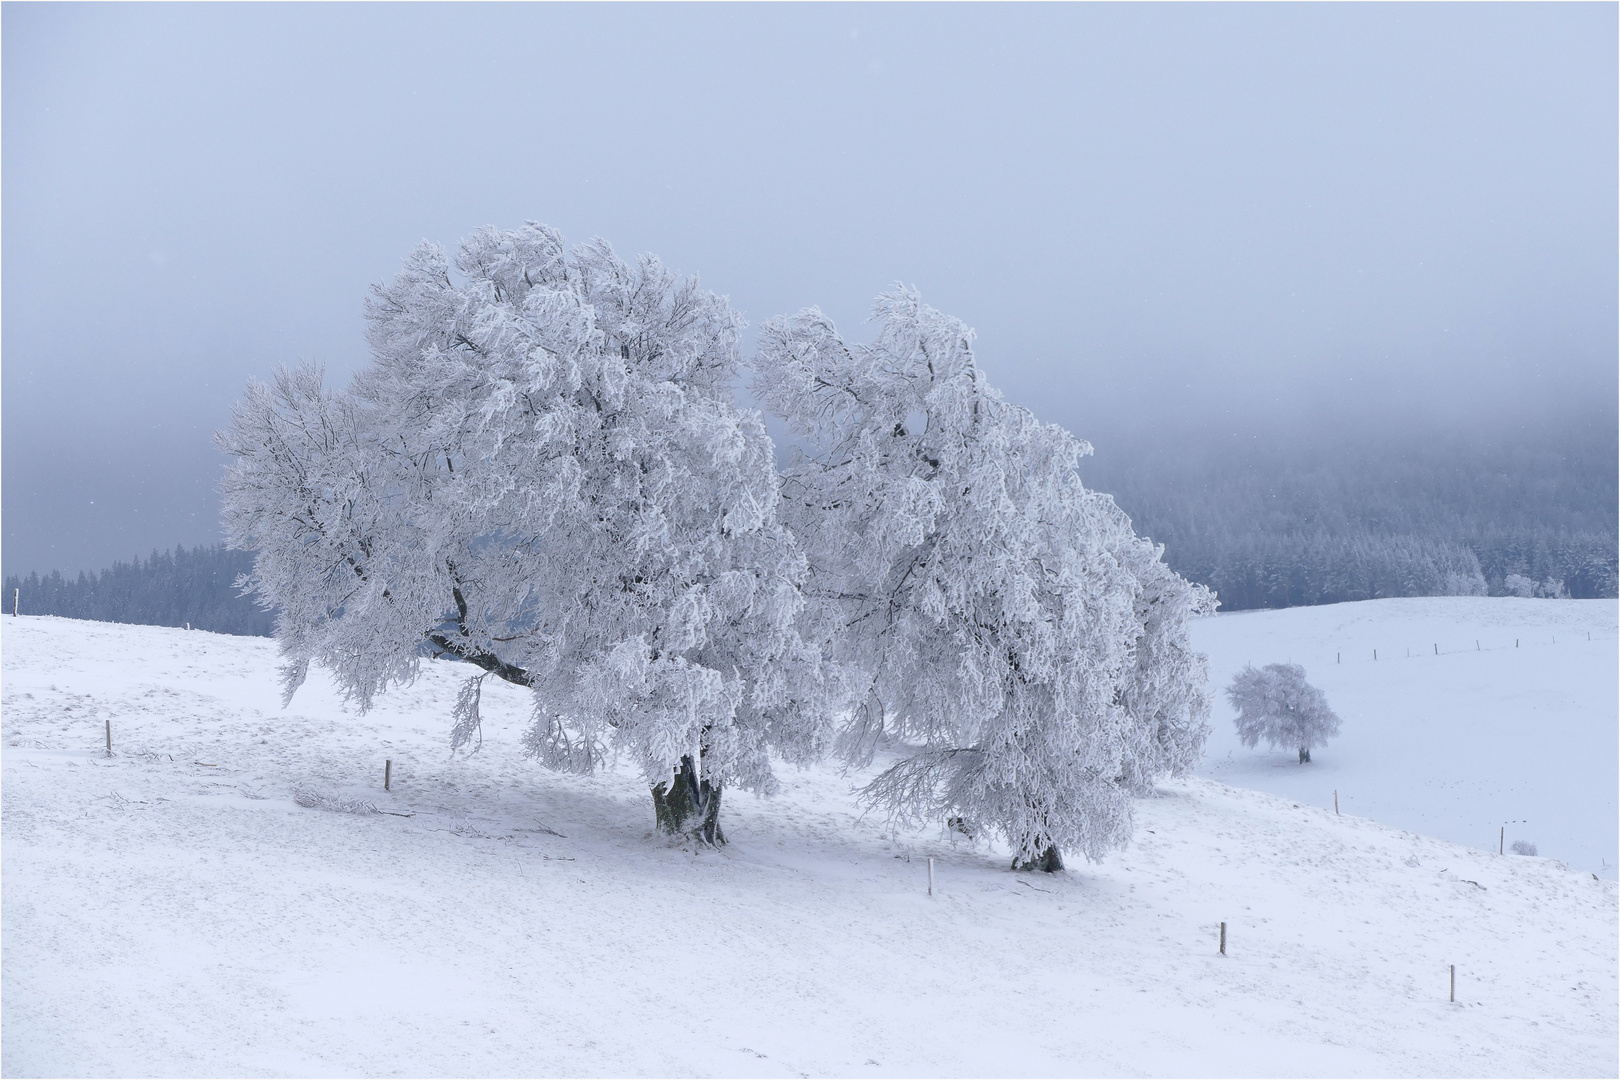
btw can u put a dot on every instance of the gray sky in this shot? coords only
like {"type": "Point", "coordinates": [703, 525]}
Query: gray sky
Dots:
{"type": "Point", "coordinates": [1158, 217]}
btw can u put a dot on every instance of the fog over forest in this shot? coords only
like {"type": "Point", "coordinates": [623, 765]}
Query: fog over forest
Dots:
{"type": "Point", "coordinates": [1289, 518]}
{"type": "Point", "coordinates": [1330, 289]}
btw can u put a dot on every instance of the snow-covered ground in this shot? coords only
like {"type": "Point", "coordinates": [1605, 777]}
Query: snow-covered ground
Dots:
{"type": "Point", "coordinates": [172, 910]}
{"type": "Point", "coordinates": [1482, 719]}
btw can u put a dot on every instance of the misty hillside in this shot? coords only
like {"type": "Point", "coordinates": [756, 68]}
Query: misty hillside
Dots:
{"type": "Point", "coordinates": [1281, 521]}
{"type": "Point", "coordinates": [167, 588]}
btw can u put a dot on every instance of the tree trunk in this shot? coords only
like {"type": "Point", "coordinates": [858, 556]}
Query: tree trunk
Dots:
{"type": "Point", "coordinates": [687, 807]}
{"type": "Point", "coordinates": [1304, 756]}
{"type": "Point", "coordinates": [1048, 861]}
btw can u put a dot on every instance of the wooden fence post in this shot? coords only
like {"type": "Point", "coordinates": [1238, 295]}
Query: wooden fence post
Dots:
{"type": "Point", "coordinates": [388, 774]}
{"type": "Point", "coordinates": [1223, 939]}
{"type": "Point", "coordinates": [930, 876]}
{"type": "Point", "coordinates": [109, 736]}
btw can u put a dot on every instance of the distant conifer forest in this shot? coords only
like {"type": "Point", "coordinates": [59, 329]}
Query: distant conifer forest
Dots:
{"type": "Point", "coordinates": [192, 586]}
{"type": "Point", "coordinates": [1293, 521]}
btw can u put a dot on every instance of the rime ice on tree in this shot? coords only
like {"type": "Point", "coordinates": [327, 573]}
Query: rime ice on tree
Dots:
{"type": "Point", "coordinates": [542, 472]}
{"type": "Point", "coordinates": [1276, 704]}
{"type": "Point", "coordinates": [1000, 622]}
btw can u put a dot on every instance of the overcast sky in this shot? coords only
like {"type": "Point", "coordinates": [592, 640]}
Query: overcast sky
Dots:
{"type": "Point", "coordinates": [1158, 217]}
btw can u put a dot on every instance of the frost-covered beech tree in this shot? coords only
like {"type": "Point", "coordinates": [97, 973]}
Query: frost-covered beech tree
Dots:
{"type": "Point", "coordinates": [996, 618]}
{"type": "Point", "coordinates": [542, 473]}
{"type": "Point", "coordinates": [1276, 704]}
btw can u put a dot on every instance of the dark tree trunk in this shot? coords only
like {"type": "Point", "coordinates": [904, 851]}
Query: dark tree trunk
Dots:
{"type": "Point", "coordinates": [1304, 756]}
{"type": "Point", "coordinates": [1048, 861]}
{"type": "Point", "coordinates": [687, 807]}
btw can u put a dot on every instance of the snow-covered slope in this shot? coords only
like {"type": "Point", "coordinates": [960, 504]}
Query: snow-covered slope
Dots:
{"type": "Point", "coordinates": [1480, 714]}
{"type": "Point", "coordinates": [171, 910]}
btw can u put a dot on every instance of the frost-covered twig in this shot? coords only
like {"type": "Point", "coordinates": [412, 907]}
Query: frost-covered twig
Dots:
{"type": "Point", "coordinates": [304, 796]}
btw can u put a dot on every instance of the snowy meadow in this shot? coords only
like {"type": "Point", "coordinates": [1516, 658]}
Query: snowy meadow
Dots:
{"type": "Point", "coordinates": [1483, 720]}
{"type": "Point", "coordinates": [172, 909]}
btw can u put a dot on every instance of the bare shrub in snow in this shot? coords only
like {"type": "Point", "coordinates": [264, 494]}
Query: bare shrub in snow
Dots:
{"type": "Point", "coordinates": [1001, 622]}
{"type": "Point", "coordinates": [1522, 847]}
{"type": "Point", "coordinates": [315, 800]}
{"type": "Point", "coordinates": [542, 473]}
{"type": "Point", "coordinates": [1276, 704]}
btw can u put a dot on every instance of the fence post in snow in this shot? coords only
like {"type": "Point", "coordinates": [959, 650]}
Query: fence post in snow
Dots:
{"type": "Point", "coordinates": [16, 597]}
{"type": "Point", "coordinates": [388, 774]}
{"type": "Point", "coordinates": [1335, 801]}
{"type": "Point", "coordinates": [1375, 654]}
{"type": "Point", "coordinates": [1476, 646]}
{"type": "Point", "coordinates": [1454, 984]}
{"type": "Point", "coordinates": [1223, 939]}
{"type": "Point", "coordinates": [1338, 658]}
{"type": "Point", "coordinates": [1437, 648]}
{"type": "Point", "coordinates": [109, 736]}
{"type": "Point", "coordinates": [1501, 834]}
{"type": "Point", "coordinates": [930, 876]}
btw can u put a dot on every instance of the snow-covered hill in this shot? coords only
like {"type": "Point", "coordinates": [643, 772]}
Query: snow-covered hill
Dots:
{"type": "Point", "coordinates": [172, 910]}
{"type": "Point", "coordinates": [1482, 718]}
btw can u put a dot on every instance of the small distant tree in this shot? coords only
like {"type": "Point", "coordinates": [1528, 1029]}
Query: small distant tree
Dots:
{"type": "Point", "coordinates": [1276, 704]}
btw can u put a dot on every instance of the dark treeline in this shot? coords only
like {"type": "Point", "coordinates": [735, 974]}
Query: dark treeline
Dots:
{"type": "Point", "coordinates": [1286, 522]}
{"type": "Point", "coordinates": [1278, 522]}
{"type": "Point", "coordinates": [168, 588]}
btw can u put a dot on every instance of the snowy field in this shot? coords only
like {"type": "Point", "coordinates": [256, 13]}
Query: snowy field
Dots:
{"type": "Point", "coordinates": [171, 910]}
{"type": "Point", "coordinates": [1480, 714]}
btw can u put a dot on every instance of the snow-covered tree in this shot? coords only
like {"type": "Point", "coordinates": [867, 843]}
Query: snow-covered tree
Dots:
{"type": "Point", "coordinates": [990, 613]}
{"type": "Point", "coordinates": [542, 473]}
{"type": "Point", "coordinates": [1276, 704]}
{"type": "Point", "coordinates": [1519, 585]}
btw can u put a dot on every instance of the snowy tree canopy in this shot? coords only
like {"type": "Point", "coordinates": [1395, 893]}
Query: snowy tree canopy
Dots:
{"type": "Point", "coordinates": [1276, 704]}
{"type": "Point", "coordinates": [542, 472]}
{"type": "Point", "coordinates": [983, 606]}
